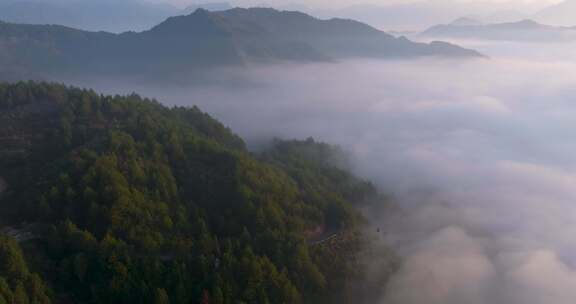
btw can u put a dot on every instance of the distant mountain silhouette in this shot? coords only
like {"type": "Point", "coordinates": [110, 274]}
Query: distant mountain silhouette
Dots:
{"type": "Point", "coordinates": [525, 30]}
{"type": "Point", "coordinates": [209, 6]}
{"type": "Point", "coordinates": [560, 14]}
{"type": "Point", "coordinates": [337, 38]}
{"type": "Point", "coordinates": [466, 21]}
{"type": "Point", "coordinates": [204, 39]}
{"type": "Point", "coordinates": [418, 15]}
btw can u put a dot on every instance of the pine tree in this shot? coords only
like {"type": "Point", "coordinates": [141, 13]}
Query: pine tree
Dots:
{"type": "Point", "coordinates": [161, 297]}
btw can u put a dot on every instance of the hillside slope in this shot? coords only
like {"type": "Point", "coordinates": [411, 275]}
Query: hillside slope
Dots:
{"type": "Point", "coordinates": [121, 200]}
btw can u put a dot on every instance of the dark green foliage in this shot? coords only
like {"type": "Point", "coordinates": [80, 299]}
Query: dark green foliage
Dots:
{"type": "Point", "coordinates": [321, 172]}
{"type": "Point", "coordinates": [17, 283]}
{"type": "Point", "coordinates": [145, 204]}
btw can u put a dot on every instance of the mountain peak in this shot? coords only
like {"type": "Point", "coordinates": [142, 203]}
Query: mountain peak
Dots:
{"type": "Point", "coordinates": [525, 24]}
{"type": "Point", "coordinates": [205, 39]}
{"type": "Point", "coordinates": [201, 12]}
{"type": "Point", "coordinates": [466, 21]}
{"type": "Point", "coordinates": [560, 14]}
{"type": "Point", "coordinates": [523, 30]}
{"type": "Point", "coordinates": [210, 6]}
{"type": "Point", "coordinates": [200, 21]}
{"type": "Point", "coordinates": [528, 22]}
{"type": "Point", "coordinates": [265, 12]}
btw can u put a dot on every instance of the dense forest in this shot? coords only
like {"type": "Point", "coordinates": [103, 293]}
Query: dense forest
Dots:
{"type": "Point", "coordinates": [119, 199]}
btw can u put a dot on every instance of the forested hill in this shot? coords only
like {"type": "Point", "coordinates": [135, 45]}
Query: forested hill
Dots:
{"type": "Point", "coordinates": [203, 39]}
{"type": "Point", "coordinates": [118, 199]}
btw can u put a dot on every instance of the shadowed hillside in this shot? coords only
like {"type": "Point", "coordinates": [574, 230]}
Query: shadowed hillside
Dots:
{"type": "Point", "coordinates": [118, 199]}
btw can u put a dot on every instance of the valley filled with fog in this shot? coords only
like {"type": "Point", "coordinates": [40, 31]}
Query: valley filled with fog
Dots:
{"type": "Point", "coordinates": [458, 118]}
{"type": "Point", "coordinates": [478, 153]}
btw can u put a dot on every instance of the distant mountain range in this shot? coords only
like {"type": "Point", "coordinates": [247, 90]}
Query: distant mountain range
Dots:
{"type": "Point", "coordinates": [525, 30]}
{"type": "Point", "coordinates": [138, 15]}
{"type": "Point", "coordinates": [417, 15]}
{"type": "Point", "coordinates": [204, 39]}
{"type": "Point", "coordinates": [561, 14]}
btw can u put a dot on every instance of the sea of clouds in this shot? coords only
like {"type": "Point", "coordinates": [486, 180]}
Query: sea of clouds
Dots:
{"type": "Point", "coordinates": [481, 154]}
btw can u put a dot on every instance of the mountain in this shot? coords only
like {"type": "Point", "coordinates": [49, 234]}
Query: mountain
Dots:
{"type": "Point", "coordinates": [561, 14]}
{"type": "Point", "coordinates": [506, 16]}
{"type": "Point", "coordinates": [417, 15]}
{"type": "Point", "coordinates": [525, 30]}
{"type": "Point", "coordinates": [104, 15]}
{"type": "Point", "coordinates": [339, 38]}
{"type": "Point", "coordinates": [466, 21]}
{"type": "Point", "coordinates": [202, 40]}
{"type": "Point", "coordinates": [398, 17]}
{"type": "Point", "coordinates": [209, 6]}
{"type": "Point", "coordinates": [118, 199]}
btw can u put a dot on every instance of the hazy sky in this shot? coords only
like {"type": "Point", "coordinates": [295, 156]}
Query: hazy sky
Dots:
{"type": "Point", "coordinates": [407, 15]}
{"type": "Point", "coordinates": [387, 15]}
{"type": "Point", "coordinates": [520, 4]}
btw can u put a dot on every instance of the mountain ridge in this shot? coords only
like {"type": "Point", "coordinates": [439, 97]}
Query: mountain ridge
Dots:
{"type": "Point", "coordinates": [205, 39]}
{"type": "Point", "coordinates": [523, 30]}
{"type": "Point", "coordinates": [559, 14]}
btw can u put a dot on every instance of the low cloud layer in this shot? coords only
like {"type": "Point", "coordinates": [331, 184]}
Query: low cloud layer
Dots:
{"type": "Point", "coordinates": [481, 154]}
